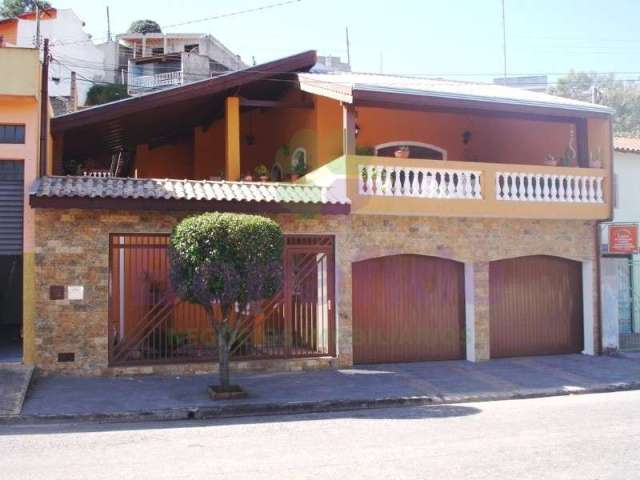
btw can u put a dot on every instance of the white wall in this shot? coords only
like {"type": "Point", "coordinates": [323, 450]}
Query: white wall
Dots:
{"type": "Point", "coordinates": [626, 210]}
{"type": "Point", "coordinates": [71, 46]}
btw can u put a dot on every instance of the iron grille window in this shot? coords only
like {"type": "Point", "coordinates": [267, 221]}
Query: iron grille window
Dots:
{"type": "Point", "coordinates": [12, 133]}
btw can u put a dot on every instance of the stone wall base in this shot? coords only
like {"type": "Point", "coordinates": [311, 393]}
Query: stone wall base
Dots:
{"type": "Point", "coordinates": [246, 366]}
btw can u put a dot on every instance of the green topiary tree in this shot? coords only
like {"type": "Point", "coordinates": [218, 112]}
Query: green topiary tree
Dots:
{"type": "Point", "coordinates": [227, 263]}
{"type": "Point", "coordinates": [99, 94]}
{"type": "Point", "coordinates": [144, 26]}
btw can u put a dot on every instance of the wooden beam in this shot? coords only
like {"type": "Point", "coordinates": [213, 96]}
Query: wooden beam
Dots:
{"type": "Point", "coordinates": [248, 102]}
{"type": "Point", "coordinates": [348, 129]}
{"type": "Point", "coordinates": [582, 142]}
{"type": "Point", "coordinates": [232, 138]}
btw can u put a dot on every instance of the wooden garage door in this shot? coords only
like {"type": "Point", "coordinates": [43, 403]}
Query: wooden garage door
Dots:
{"type": "Point", "coordinates": [408, 308]}
{"type": "Point", "coordinates": [536, 306]}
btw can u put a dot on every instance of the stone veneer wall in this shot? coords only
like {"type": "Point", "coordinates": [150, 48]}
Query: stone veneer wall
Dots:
{"type": "Point", "coordinates": [72, 249]}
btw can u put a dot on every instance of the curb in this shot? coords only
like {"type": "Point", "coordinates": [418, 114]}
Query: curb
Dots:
{"type": "Point", "coordinates": [269, 409]}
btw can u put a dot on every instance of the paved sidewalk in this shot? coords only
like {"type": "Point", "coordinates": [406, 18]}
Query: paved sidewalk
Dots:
{"type": "Point", "coordinates": [158, 397]}
{"type": "Point", "coordinates": [14, 382]}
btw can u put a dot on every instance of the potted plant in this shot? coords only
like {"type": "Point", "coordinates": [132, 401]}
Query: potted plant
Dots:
{"type": "Point", "coordinates": [299, 170]}
{"type": "Point", "coordinates": [248, 177]}
{"type": "Point", "coordinates": [595, 161]}
{"type": "Point", "coordinates": [262, 172]}
{"type": "Point", "coordinates": [402, 152]}
{"type": "Point", "coordinates": [550, 160]}
{"type": "Point", "coordinates": [365, 150]}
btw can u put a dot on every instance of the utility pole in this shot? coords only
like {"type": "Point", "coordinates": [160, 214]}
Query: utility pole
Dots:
{"type": "Point", "coordinates": [108, 25]}
{"type": "Point", "coordinates": [348, 48]}
{"type": "Point", "coordinates": [37, 39]}
{"type": "Point", "coordinates": [44, 110]}
{"type": "Point", "coordinates": [504, 40]}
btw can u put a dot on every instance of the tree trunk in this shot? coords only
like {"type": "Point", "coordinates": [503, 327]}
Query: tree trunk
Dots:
{"type": "Point", "coordinates": [223, 358]}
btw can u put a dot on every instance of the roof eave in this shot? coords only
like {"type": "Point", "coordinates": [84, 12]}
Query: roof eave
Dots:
{"type": "Point", "coordinates": [201, 88]}
{"type": "Point", "coordinates": [151, 204]}
{"type": "Point", "coordinates": [365, 93]}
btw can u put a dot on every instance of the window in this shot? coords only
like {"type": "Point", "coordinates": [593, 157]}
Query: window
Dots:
{"type": "Point", "coordinates": [416, 150]}
{"type": "Point", "coordinates": [157, 51]}
{"type": "Point", "coordinates": [299, 160]}
{"type": "Point", "coordinates": [11, 133]}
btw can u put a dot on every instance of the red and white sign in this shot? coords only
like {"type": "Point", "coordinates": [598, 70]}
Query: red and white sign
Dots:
{"type": "Point", "coordinates": [623, 239]}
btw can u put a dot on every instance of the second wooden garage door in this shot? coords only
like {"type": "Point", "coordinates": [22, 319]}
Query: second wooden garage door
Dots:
{"type": "Point", "coordinates": [408, 308]}
{"type": "Point", "coordinates": [536, 306]}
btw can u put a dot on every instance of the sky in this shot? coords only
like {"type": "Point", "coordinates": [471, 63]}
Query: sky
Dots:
{"type": "Point", "coordinates": [442, 38]}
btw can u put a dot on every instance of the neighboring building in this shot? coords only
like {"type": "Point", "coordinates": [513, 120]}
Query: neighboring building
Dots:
{"type": "Point", "coordinates": [159, 60]}
{"type": "Point", "coordinates": [71, 48]}
{"type": "Point", "coordinates": [330, 63]}
{"type": "Point", "coordinates": [474, 246]}
{"type": "Point", "coordinates": [620, 265]}
{"type": "Point", "coordinates": [19, 153]}
{"type": "Point", "coordinates": [535, 83]}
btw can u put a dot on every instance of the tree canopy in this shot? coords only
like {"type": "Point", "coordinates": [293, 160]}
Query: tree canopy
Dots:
{"type": "Point", "coordinates": [230, 261]}
{"type": "Point", "coordinates": [144, 26]}
{"type": "Point", "coordinates": [99, 94]}
{"type": "Point", "coordinates": [622, 96]}
{"type": "Point", "coordinates": [13, 8]}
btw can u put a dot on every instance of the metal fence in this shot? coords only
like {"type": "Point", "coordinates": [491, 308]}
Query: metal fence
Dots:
{"type": "Point", "coordinates": [149, 324]}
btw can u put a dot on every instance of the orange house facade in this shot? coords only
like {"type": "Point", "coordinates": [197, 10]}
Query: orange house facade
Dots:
{"type": "Point", "coordinates": [424, 220]}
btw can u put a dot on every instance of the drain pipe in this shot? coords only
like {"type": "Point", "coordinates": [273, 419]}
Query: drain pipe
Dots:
{"type": "Point", "coordinates": [44, 110]}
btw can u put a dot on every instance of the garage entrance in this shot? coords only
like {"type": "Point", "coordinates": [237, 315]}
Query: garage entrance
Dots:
{"type": "Point", "coordinates": [11, 214]}
{"type": "Point", "coordinates": [535, 306]}
{"type": "Point", "coordinates": [407, 308]}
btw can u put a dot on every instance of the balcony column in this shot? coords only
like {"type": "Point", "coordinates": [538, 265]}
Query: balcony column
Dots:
{"type": "Point", "coordinates": [144, 46]}
{"type": "Point", "coordinates": [582, 142]}
{"type": "Point", "coordinates": [348, 129]}
{"type": "Point", "coordinates": [232, 138]}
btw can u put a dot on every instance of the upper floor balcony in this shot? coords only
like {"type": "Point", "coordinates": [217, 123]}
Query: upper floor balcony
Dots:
{"type": "Point", "coordinates": [387, 154]}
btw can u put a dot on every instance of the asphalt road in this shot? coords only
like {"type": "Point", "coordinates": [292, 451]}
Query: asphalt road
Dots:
{"type": "Point", "coordinates": [581, 437]}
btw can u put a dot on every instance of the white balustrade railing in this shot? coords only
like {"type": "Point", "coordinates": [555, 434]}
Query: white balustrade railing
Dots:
{"type": "Point", "coordinates": [538, 187]}
{"type": "Point", "coordinates": [143, 83]}
{"type": "Point", "coordinates": [380, 180]}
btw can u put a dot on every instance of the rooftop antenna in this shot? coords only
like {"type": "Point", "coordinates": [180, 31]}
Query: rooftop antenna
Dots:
{"type": "Point", "coordinates": [108, 25]}
{"type": "Point", "coordinates": [504, 40]}
{"type": "Point", "coordinates": [348, 49]}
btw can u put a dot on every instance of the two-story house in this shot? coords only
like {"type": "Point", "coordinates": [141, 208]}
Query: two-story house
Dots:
{"type": "Point", "coordinates": [434, 220]}
{"type": "Point", "coordinates": [154, 61]}
{"type": "Point", "coordinates": [71, 47]}
{"type": "Point", "coordinates": [20, 144]}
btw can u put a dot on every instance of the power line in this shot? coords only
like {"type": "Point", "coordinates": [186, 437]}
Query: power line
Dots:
{"type": "Point", "coordinates": [214, 17]}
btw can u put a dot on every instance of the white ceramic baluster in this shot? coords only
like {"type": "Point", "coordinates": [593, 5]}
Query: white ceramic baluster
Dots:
{"type": "Point", "coordinates": [468, 185]}
{"type": "Point", "coordinates": [499, 193]}
{"type": "Point", "coordinates": [555, 193]}
{"type": "Point", "coordinates": [570, 189]}
{"type": "Point", "coordinates": [599, 190]}
{"type": "Point", "coordinates": [414, 182]}
{"type": "Point", "coordinates": [579, 192]}
{"type": "Point", "coordinates": [538, 188]}
{"type": "Point", "coordinates": [521, 188]}
{"type": "Point", "coordinates": [546, 188]}
{"type": "Point", "coordinates": [460, 178]}
{"type": "Point", "coordinates": [530, 196]}
{"type": "Point", "coordinates": [378, 180]}
{"type": "Point", "coordinates": [432, 188]}
{"type": "Point", "coordinates": [451, 190]}
{"type": "Point", "coordinates": [477, 186]}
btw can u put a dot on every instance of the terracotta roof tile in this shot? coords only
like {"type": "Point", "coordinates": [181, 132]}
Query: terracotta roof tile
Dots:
{"type": "Point", "coordinates": [124, 188]}
{"type": "Point", "coordinates": [626, 144]}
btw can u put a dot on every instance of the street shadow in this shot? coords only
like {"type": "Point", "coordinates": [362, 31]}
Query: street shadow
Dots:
{"type": "Point", "coordinates": [433, 412]}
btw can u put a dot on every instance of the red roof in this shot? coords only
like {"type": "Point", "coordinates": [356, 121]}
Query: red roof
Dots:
{"type": "Point", "coordinates": [626, 144]}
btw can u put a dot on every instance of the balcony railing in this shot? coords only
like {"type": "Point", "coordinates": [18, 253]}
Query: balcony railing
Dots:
{"type": "Point", "coordinates": [382, 185]}
{"type": "Point", "coordinates": [147, 83]}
